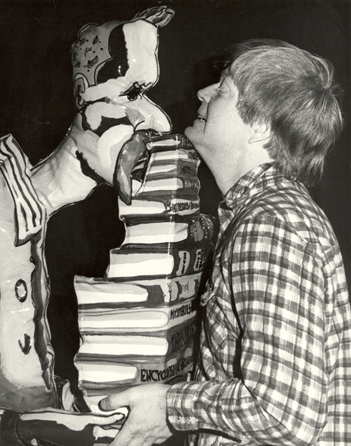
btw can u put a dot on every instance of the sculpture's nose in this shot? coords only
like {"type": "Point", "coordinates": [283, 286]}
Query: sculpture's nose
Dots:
{"type": "Point", "coordinates": [144, 114]}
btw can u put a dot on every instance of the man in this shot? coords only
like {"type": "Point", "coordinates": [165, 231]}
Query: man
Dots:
{"type": "Point", "coordinates": [275, 351]}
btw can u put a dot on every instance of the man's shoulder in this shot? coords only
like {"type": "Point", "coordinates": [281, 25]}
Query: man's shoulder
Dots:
{"type": "Point", "coordinates": [290, 205]}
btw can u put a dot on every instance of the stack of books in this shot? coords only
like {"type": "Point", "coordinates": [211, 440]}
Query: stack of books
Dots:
{"type": "Point", "coordinates": [137, 324]}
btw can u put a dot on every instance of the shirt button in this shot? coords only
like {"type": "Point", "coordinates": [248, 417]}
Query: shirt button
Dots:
{"type": "Point", "coordinates": [21, 290]}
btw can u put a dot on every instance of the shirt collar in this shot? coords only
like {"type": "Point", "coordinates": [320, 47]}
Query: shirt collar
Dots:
{"type": "Point", "coordinates": [29, 211]}
{"type": "Point", "coordinates": [253, 182]}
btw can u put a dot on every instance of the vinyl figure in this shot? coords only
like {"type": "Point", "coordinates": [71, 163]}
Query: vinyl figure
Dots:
{"type": "Point", "coordinates": [114, 66]}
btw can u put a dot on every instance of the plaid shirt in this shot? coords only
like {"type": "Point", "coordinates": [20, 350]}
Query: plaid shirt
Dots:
{"type": "Point", "coordinates": [275, 349]}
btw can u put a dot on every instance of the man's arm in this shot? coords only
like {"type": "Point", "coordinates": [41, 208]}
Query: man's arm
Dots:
{"type": "Point", "coordinates": [281, 398]}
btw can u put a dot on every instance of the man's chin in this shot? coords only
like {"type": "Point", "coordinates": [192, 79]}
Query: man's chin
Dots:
{"type": "Point", "coordinates": [189, 133]}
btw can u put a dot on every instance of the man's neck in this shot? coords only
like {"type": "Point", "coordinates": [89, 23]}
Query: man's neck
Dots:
{"type": "Point", "coordinates": [230, 173]}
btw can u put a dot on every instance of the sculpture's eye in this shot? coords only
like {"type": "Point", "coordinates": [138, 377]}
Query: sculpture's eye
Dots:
{"type": "Point", "coordinates": [134, 92]}
{"type": "Point", "coordinates": [133, 96]}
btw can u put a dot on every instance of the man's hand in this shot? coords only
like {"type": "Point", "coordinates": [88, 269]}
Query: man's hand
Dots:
{"type": "Point", "coordinates": [146, 423]}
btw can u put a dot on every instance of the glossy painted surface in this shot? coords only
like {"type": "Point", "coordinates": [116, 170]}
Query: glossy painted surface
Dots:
{"type": "Point", "coordinates": [137, 325]}
{"type": "Point", "coordinates": [112, 107]}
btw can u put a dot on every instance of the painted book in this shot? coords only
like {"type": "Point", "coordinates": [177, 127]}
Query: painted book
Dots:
{"type": "Point", "coordinates": [138, 323]}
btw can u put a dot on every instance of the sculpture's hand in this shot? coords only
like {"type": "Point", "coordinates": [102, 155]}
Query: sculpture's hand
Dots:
{"type": "Point", "coordinates": [97, 153]}
{"type": "Point", "coordinates": [127, 159]}
{"type": "Point", "coordinates": [64, 428]}
{"type": "Point", "coordinates": [146, 423]}
{"type": "Point", "coordinates": [158, 15]}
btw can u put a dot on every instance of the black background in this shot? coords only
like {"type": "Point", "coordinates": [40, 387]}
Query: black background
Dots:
{"type": "Point", "coordinates": [37, 108]}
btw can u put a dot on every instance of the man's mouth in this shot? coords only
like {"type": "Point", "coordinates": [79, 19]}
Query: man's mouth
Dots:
{"type": "Point", "coordinates": [201, 118]}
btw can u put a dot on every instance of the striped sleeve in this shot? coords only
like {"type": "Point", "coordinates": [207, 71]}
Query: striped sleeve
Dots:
{"type": "Point", "coordinates": [29, 211]}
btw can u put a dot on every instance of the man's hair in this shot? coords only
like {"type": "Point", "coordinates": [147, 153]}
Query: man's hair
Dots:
{"type": "Point", "coordinates": [294, 93]}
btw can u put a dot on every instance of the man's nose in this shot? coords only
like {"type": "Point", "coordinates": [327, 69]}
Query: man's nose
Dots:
{"type": "Point", "coordinates": [206, 93]}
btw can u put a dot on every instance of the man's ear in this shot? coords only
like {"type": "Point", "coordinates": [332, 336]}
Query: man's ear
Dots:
{"type": "Point", "coordinates": [260, 132]}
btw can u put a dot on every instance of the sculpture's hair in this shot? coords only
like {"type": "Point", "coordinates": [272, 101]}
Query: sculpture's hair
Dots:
{"type": "Point", "coordinates": [294, 93]}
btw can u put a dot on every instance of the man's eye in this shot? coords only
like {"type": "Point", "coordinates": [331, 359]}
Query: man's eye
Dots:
{"type": "Point", "coordinates": [222, 91]}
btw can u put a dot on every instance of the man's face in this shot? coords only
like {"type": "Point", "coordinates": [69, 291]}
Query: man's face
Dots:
{"type": "Point", "coordinates": [219, 134]}
{"type": "Point", "coordinates": [115, 65]}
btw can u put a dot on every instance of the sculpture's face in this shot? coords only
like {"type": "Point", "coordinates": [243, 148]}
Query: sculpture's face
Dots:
{"type": "Point", "coordinates": [114, 65]}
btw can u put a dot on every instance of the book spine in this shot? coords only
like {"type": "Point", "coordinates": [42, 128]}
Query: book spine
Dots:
{"type": "Point", "coordinates": [143, 371]}
{"type": "Point", "coordinates": [160, 204]}
{"type": "Point", "coordinates": [137, 320]}
{"type": "Point", "coordinates": [95, 293]}
{"type": "Point", "coordinates": [171, 261]}
{"type": "Point", "coordinates": [169, 342]}
{"type": "Point", "coordinates": [175, 229]}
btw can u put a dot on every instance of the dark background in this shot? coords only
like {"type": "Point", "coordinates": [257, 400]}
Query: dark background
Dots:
{"type": "Point", "coordinates": [37, 108]}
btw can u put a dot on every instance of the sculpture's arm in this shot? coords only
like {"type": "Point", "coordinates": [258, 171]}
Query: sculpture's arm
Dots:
{"type": "Point", "coordinates": [59, 179]}
{"type": "Point", "coordinates": [83, 160]}
{"type": "Point", "coordinates": [58, 427]}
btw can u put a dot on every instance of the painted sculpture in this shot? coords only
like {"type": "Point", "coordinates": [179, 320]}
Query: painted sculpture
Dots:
{"type": "Point", "coordinates": [114, 66]}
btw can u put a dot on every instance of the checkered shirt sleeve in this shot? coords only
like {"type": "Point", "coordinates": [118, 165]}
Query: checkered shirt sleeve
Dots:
{"type": "Point", "coordinates": [281, 397]}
